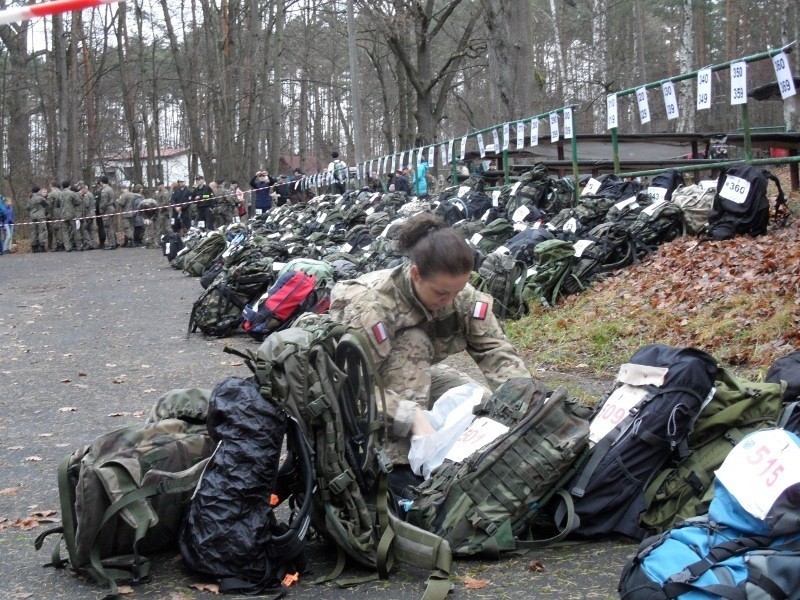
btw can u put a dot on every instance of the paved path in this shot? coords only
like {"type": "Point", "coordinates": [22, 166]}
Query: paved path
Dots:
{"type": "Point", "coordinates": [90, 340]}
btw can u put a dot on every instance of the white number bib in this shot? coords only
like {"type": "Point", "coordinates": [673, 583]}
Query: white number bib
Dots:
{"type": "Point", "coordinates": [483, 431]}
{"type": "Point", "coordinates": [760, 468]}
{"type": "Point", "coordinates": [735, 189]}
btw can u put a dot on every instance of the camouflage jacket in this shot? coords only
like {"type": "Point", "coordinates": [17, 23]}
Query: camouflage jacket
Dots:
{"type": "Point", "coordinates": [382, 304]}
{"type": "Point", "coordinates": [37, 207]}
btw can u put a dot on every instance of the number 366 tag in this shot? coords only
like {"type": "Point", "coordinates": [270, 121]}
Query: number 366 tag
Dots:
{"type": "Point", "coordinates": [760, 468]}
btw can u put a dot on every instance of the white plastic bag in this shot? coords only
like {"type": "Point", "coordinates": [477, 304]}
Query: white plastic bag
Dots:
{"type": "Point", "coordinates": [451, 416]}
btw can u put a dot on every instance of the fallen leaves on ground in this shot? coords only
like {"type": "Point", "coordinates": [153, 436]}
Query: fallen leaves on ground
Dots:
{"type": "Point", "coordinates": [33, 520]}
{"type": "Point", "coordinates": [33, 458]}
{"type": "Point", "coordinates": [8, 491]}
{"type": "Point", "coordinates": [536, 566]}
{"type": "Point", "coordinates": [67, 409]}
{"type": "Point", "coordinates": [205, 587]}
{"type": "Point", "coordinates": [124, 590]}
{"type": "Point", "coordinates": [475, 584]}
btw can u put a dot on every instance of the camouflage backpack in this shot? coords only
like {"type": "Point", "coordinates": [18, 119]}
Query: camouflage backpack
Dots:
{"type": "Point", "coordinates": [205, 253]}
{"type": "Point", "coordinates": [503, 277]}
{"type": "Point", "coordinates": [553, 261]}
{"type": "Point", "coordinates": [493, 235]}
{"type": "Point", "coordinates": [685, 490]}
{"type": "Point", "coordinates": [696, 201]}
{"type": "Point", "coordinates": [487, 502]}
{"type": "Point", "coordinates": [659, 223]}
{"type": "Point", "coordinates": [218, 310]}
{"type": "Point", "coordinates": [322, 374]}
{"type": "Point", "coordinates": [604, 249]}
{"type": "Point", "coordinates": [125, 494]}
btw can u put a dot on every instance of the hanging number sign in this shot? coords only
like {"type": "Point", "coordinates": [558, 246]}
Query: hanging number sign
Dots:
{"type": "Point", "coordinates": [481, 147]}
{"type": "Point", "coordinates": [553, 128]}
{"type": "Point", "coordinates": [704, 89]}
{"type": "Point", "coordinates": [450, 150]}
{"type": "Point", "coordinates": [611, 111]}
{"type": "Point", "coordinates": [520, 135]}
{"type": "Point", "coordinates": [670, 100]}
{"type": "Point", "coordinates": [443, 154]}
{"type": "Point", "coordinates": [394, 162]}
{"type": "Point", "coordinates": [401, 163]}
{"type": "Point", "coordinates": [534, 132]}
{"type": "Point", "coordinates": [739, 83]}
{"type": "Point", "coordinates": [463, 152]}
{"type": "Point", "coordinates": [496, 140]}
{"type": "Point", "coordinates": [644, 107]}
{"type": "Point", "coordinates": [431, 155]}
{"type": "Point", "coordinates": [567, 123]}
{"type": "Point", "coordinates": [506, 135]}
{"type": "Point", "coordinates": [784, 75]}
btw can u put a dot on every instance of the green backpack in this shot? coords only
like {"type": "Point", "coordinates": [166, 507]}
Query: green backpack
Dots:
{"type": "Point", "coordinates": [204, 254]}
{"type": "Point", "coordinates": [218, 310]}
{"type": "Point", "coordinates": [552, 265]}
{"type": "Point", "coordinates": [322, 374]}
{"type": "Point", "coordinates": [486, 503]}
{"type": "Point", "coordinates": [503, 277]}
{"type": "Point", "coordinates": [125, 494]}
{"type": "Point", "coordinates": [737, 408]}
{"type": "Point", "coordinates": [494, 235]}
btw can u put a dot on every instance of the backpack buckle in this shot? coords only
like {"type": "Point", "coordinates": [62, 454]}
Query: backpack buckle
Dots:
{"type": "Point", "coordinates": [339, 483]}
{"type": "Point", "coordinates": [382, 459]}
{"type": "Point", "coordinates": [684, 576]}
{"type": "Point", "coordinates": [318, 406]}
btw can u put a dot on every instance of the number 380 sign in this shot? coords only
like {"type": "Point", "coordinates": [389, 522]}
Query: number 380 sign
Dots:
{"type": "Point", "coordinates": [760, 468]}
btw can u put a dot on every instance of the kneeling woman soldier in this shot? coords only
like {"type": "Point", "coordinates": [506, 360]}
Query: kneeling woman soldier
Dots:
{"type": "Point", "coordinates": [418, 314]}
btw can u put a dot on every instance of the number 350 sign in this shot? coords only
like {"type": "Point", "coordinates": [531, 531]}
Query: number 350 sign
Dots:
{"type": "Point", "coordinates": [760, 468]}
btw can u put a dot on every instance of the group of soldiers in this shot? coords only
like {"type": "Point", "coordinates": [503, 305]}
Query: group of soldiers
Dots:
{"type": "Point", "coordinates": [70, 217]}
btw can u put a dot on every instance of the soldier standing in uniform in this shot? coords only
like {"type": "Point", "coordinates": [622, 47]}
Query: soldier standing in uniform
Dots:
{"type": "Point", "coordinates": [70, 204]}
{"type": "Point", "coordinates": [126, 219]}
{"type": "Point", "coordinates": [87, 224]}
{"type": "Point", "coordinates": [108, 208]}
{"type": "Point", "coordinates": [161, 224]}
{"type": "Point", "coordinates": [204, 196]}
{"type": "Point", "coordinates": [418, 314]}
{"type": "Point", "coordinates": [180, 195]}
{"type": "Point", "coordinates": [37, 209]}
{"type": "Point", "coordinates": [53, 217]}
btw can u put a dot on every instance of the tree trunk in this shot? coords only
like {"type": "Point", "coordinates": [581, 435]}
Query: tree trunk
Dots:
{"type": "Point", "coordinates": [128, 95]}
{"type": "Point", "coordinates": [686, 106]}
{"type": "Point", "coordinates": [16, 102]}
{"type": "Point", "coordinates": [600, 46]}
{"type": "Point", "coordinates": [355, 83]}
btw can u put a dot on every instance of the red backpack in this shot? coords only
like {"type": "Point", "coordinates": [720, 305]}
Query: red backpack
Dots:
{"type": "Point", "coordinates": [294, 293]}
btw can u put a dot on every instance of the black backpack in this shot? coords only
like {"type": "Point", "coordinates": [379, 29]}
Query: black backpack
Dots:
{"type": "Point", "coordinates": [636, 428]}
{"type": "Point", "coordinates": [231, 532]}
{"type": "Point", "coordinates": [787, 368]}
{"type": "Point", "coordinates": [670, 180]}
{"type": "Point", "coordinates": [521, 245]}
{"type": "Point", "coordinates": [606, 248]}
{"type": "Point", "coordinates": [171, 244]}
{"type": "Point", "coordinates": [741, 205]}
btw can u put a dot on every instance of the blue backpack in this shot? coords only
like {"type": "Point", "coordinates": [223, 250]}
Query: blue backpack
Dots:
{"type": "Point", "coordinates": [747, 547]}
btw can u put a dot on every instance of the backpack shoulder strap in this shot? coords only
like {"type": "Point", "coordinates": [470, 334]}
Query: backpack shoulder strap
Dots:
{"type": "Point", "coordinates": [781, 199]}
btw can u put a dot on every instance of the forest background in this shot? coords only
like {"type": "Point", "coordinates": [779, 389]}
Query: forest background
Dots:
{"type": "Point", "coordinates": [242, 83]}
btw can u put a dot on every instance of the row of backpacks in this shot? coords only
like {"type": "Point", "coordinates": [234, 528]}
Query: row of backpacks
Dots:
{"type": "Point", "coordinates": [639, 463]}
{"type": "Point", "coordinates": [532, 242]}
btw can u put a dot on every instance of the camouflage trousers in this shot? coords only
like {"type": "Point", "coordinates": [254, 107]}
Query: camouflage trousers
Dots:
{"type": "Point", "coordinates": [408, 374]}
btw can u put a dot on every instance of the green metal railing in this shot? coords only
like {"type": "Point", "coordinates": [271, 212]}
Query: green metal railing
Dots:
{"type": "Point", "coordinates": [504, 153]}
{"type": "Point", "coordinates": [746, 128]}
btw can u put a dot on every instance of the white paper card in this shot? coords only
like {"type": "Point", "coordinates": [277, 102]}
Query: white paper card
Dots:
{"type": "Point", "coordinates": [514, 189]}
{"type": "Point", "coordinates": [520, 214]}
{"type": "Point", "coordinates": [567, 123]}
{"type": "Point", "coordinates": [704, 89]}
{"type": "Point", "coordinates": [670, 100]}
{"type": "Point", "coordinates": [611, 111]}
{"type": "Point", "coordinates": [496, 140]}
{"type": "Point", "coordinates": [277, 266]}
{"type": "Point", "coordinates": [520, 135]}
{"type": "Point", "coordinates": [77, 224]}
{"type": "Point", "coordinates": [463, 151]}
{"type": "Point", "coordinates": [370, 210]}
{"type": "Point", "coordinates": [443, 154]}
{"type": "Point", "coordinates": [481, 147]}
{"type": "Point", "coordinates": [431, 155]}
{"type": "Point", "coordinates": [506, 135]}
{"type": "Point", "coordinates": [201, 224]}
{"type": "Point", "coordinates": [591, 187]}
{"type": "Point", "coordinates": [580, 246]}
{"type": "Point", "coordinates": [651, 210]}
{"type": "Point", "coordinates": [534, 132]}
{"type": "Point", "coordinates": [346, 247]}
{"type": "Point", "coordinates": [481, 432]}
{"type": "Point", "coordinates": [644, 107]}
{"type": "Point", "coordinates": [463, 190]}
{"type": "Point", "coordinates": [656, 193]}
{"type": "Point", "coordinates": [783, 73]}
{"type": "Point", "coordinates": [739, 83]}
{"type": "Point", "coordinates": [571, 226]}
{"type": "Point", "coordinates": [623, 204]}
{"type": "Point", "coordinates": [476, 238]}
{"type": "Point", "coordinates": [760, 468]}
{"type": "Point", "coordinates": [735, 189]}
{"type": "Point", "coordinates": [708, 183]}
{"type": "Point", "coordinates": [615, 409]}
{"type": "Point", "coordinates": [495, 197]}
{"type": "Point", "coordinates": [553, 127]}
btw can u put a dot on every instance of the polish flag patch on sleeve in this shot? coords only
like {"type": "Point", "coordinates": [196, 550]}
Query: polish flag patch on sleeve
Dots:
{"type": "Point", "coordinates": [480, 310]}
{"type": "Point", "coordinates": [379, 331]}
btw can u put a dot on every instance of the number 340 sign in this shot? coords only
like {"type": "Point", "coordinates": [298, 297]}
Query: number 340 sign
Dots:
{"type": "Point", "coordinates": [760, 468]}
